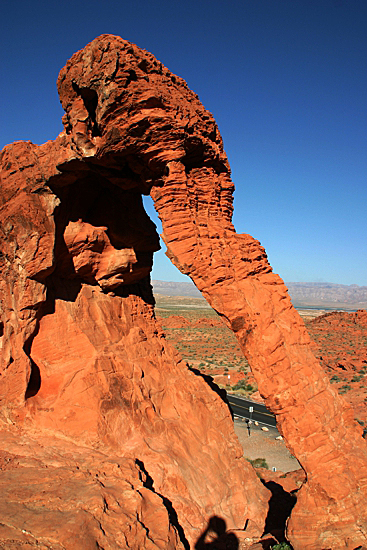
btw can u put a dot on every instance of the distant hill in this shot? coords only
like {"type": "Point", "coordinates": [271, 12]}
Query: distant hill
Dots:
{"type": "Point", "coordinates": [315, 295]}
{"type": "Point", "coordinates": [171, 288]}
{"type": "Point", "coordinates": [328, 295]}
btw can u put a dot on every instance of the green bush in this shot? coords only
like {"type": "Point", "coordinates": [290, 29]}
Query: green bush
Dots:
{"type": "Point", "coordinates": [281, 546]}
{"type": "Point", "coordinates": [242, 385]}
{"type": "Point", "coordinates": [258, 463]}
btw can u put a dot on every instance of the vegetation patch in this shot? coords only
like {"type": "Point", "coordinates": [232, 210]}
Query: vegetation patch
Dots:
{"type": "Point", "coordinates": [258, 463]}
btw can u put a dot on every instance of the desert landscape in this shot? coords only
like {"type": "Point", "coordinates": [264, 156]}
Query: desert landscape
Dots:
{"type": "Point", "coordinates": [339, 342]}
{"type": "Point", "coordinates": [108, 439]}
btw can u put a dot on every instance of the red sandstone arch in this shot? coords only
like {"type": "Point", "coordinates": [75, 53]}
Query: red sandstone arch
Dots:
{"type": "Point", "coordinates": [133, 127]}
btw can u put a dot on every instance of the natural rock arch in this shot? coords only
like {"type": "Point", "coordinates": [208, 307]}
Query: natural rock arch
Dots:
{"type": "Point", "coordinates": [132, 127]}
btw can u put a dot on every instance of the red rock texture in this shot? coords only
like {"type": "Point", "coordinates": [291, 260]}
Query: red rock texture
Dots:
{"type": "Point", "coordinates": [56, 494]}
{"type": "Point", "coordinates": [111, 440]}
{"type": "Point", "coordinates": [83, 357]}
{"type": "Point", "coordinates": [340, 344]}
{"type": "Point", "coordinates": [176, 321]}
{"type": "Point", "coordinates": [289, 481]}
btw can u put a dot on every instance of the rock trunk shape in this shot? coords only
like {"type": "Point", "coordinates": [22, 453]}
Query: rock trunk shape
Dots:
{"type": "Point", "coordinates": [83, 357]}
{"type": "Point", "coordinates": [318, 426]}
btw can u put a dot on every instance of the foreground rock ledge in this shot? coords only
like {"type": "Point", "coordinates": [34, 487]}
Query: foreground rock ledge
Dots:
{"type": "Point", "coordinates": [88, 383]}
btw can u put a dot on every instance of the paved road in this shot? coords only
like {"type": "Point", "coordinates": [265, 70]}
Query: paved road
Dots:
{"type": "Point", "coordinates": [241, 407]}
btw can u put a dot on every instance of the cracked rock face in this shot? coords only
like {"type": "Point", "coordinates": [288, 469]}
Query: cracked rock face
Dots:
{"type": "Point", "coordinates": [85, 362]}
{"type": "Point", "coordinates": [108, 438]}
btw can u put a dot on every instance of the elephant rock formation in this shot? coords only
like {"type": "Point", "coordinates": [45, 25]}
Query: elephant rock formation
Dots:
{"type": "Point", "coordinates": [85, 368]}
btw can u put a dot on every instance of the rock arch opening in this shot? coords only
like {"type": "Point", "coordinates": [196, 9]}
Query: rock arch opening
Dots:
{"type": "Point", "coordinates": [103, 234]}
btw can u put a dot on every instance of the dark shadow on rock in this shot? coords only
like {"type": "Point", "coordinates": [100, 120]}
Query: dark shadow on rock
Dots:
{"type": "Point", "coordinates": [267, 542]}
{"type": "Point", "coordinates": [213, 386]}
{"type": "Point", "coordinates": [280, 506]}
{"type": "Point", "coordinates": [148, 482]}
{"type": "Point", "coordinates": [34, 382]}
{"type": "Point", "coordinates": [216, 537]}
{"type": "Point", "coordinates": [59, 288]}
{"type": "Point", "coordinates": [142, 288]}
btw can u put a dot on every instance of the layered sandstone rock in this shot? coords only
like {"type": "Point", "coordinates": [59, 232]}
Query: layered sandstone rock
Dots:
{"type": "Point", "coordinates": [130, 448]}
{"type": "Point", "coordinates": [318, 426]}
{"type": "Point", "coordinates": [340, 344]}
{"type": "Point", "coordinates": [58, 495]}
{"type": "Point", "coordinates": [83, 356]}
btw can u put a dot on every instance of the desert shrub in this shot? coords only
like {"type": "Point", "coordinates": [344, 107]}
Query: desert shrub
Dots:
{"type": "Point", "coordinates": [242, 385]}
{"type": "Point", "coordinates": [344, 388]}
{"type": "Point", "coordinates": [335, 378]}
{"type": "Point", "coordinates": [281, 546]}
{"type": "Point", "coordinates": [258, 463]}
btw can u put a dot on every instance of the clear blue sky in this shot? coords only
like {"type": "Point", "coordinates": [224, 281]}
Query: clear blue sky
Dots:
{"type": "Point", "coordinates": [286, 81]}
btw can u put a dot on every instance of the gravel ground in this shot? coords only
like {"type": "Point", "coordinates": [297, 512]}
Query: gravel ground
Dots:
{"type": "Point", "coordinates": [261, 444]}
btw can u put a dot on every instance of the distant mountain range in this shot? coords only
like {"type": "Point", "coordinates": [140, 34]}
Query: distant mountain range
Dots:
{"type": "Point", "coordinates": [171, 288]}
{"type": "Point", "coordinates": [315, 295]}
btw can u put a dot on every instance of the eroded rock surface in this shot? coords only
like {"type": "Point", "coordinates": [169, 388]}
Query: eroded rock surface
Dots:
{"type": "Point", "coordinates": [340, 344]}
{"type": "Point", "coordinates": [83, 357]}
{"type": "Point", "coordinates": [58, 495]}
{"type": "Point", "coordinates": [130, 448]}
